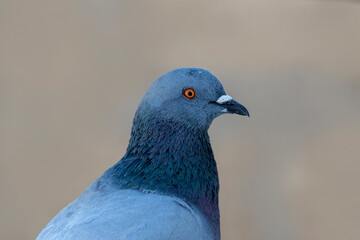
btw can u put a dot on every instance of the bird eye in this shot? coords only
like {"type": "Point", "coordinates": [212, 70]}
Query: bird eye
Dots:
{"type": "Point", "coordinates": [189, 93]}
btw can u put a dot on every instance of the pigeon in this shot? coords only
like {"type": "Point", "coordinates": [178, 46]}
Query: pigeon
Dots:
{"type": "Point", "coordinates": [166, 186]}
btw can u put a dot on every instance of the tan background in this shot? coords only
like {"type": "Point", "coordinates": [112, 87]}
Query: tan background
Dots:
{"type": "Point", "coordinates": [73, 72]}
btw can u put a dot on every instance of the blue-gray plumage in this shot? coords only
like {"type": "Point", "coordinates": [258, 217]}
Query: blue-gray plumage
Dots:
{"type": "Point", "coordinates": [166, 186]}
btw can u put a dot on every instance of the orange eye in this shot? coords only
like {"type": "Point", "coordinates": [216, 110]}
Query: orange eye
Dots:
{"type": "Point", "coordinates": [189, 93]}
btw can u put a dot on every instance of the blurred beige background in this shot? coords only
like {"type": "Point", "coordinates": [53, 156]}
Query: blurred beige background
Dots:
{"type": "Point", "coordinates": [73, 72]}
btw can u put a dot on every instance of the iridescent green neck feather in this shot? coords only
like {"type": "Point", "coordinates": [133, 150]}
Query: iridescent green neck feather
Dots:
{"type": "Point", "coordinates": [170, 158]}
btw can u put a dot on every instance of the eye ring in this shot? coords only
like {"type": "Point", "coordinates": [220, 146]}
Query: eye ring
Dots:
{"type": "Point", "coordinates": [189, 93]}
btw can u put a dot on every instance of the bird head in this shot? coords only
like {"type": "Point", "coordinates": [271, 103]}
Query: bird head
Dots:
{"type": "Point", "coordinates": [191, 96]}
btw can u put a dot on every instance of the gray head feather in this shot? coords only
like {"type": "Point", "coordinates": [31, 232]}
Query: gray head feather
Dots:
{"type": "Point", "coordinates": [166, 95]}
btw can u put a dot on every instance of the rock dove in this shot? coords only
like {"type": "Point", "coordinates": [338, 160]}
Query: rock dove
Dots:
{"type": "Point", "coordinates": [166, 186]}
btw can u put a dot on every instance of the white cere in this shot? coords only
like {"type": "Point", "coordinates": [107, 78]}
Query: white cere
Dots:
{"type": "Point", "coordinates": [224, 99]}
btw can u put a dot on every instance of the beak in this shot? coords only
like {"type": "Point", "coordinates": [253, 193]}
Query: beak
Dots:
{"type": "Point", "coordinates": [231, 106]}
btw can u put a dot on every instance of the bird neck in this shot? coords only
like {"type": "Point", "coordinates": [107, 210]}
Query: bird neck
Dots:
{"type": "Point", "coordinates": [170, 158]}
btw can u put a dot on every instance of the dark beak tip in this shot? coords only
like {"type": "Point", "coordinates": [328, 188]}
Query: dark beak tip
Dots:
{"type": "Point", "coordinates": [244, 113]}
{"type": "Point", "coordinates": [238, 109]}
{"type": "Point", "coordinates": [247, 113]}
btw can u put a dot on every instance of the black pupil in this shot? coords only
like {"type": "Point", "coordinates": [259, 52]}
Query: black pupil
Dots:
{"type": "Point", "coordinates": [190, 93]}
